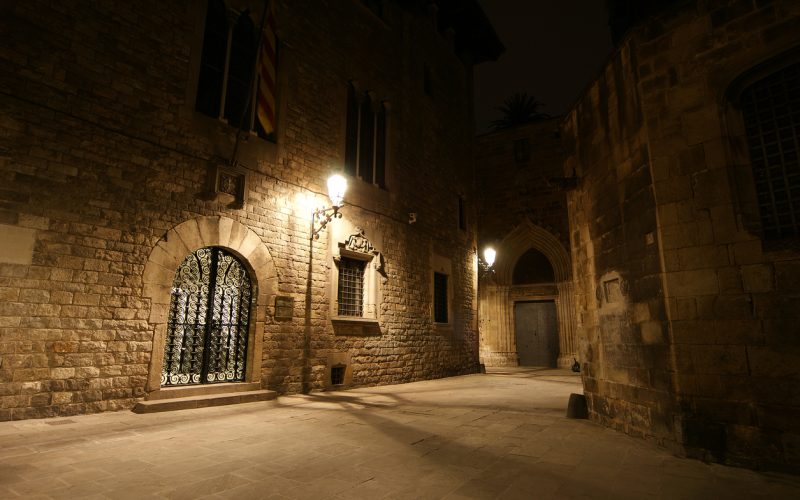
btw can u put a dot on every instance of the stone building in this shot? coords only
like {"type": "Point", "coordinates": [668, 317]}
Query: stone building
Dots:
{"type": "Point", "coordinates": [151, 251]}
{"type": "Point", "coordinates": [684, 232]}
{"type": "Point", "coordinates": [526, 312]}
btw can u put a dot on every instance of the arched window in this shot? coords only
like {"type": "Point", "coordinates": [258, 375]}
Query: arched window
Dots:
{"type": "Point", "coordinates": [209, 320]}
{"type": "Point", "coordinates": [533, 267]}
{"type": "Point", "coordinates": [771, 113]}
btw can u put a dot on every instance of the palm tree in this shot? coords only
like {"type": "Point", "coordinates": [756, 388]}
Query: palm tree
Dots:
{"type": "Point", "coordinates": [518, 109]}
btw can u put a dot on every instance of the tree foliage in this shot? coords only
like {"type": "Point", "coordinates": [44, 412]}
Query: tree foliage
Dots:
{"type": "Point", "coordinates": [518, 109]}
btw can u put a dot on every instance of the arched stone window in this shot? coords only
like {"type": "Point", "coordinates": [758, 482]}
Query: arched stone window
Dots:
{"type": "Point", "coordinates": [771, 114]}
{"type": "Point", "coordinates": [209, 320]}
{"type": "Point", "coordinates": [762, 123]}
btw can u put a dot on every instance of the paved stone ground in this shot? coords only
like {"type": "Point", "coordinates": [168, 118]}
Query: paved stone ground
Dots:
{"type": "Point", "coordinates": [500, 435]}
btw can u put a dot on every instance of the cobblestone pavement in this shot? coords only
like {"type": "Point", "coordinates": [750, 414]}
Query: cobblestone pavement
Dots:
{"type": "Point", "coordinates": [500, 435]}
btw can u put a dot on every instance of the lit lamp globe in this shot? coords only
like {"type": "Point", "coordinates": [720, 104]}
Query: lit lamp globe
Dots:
{"type": "Point", "coordinates": [337, 185]}
{"type": "Point", "coordinates": [489, 255]}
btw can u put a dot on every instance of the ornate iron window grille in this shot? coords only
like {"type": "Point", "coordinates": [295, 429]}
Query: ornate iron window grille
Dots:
{"type": "Point", "coordinates": [771, 111]}
{"type": "Point", "coordinates": [208, 321]}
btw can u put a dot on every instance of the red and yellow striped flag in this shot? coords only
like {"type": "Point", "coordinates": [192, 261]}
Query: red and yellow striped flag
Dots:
{"type": "Point", "coordinates": [266, 72]}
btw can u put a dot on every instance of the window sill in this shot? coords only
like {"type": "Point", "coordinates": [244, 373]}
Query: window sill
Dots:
{"type": "Point", "coordinates": [443, 327]}
{"type": "Point", "coordinates": [344, 325]}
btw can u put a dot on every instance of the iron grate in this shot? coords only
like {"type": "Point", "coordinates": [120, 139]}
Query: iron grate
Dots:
{"type": "Point", "coordinates": [351, 287]}
{"type": "Point", "coordinates": [771, 111]}
{"type": "Point", "coordinates": [208, 321]}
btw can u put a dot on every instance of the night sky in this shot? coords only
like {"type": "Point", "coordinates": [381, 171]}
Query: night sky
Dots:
{"type": "Point", "coordinates": [554, 48]}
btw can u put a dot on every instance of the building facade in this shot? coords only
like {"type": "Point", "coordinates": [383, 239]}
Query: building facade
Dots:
{"type": "Point", "coordinates": [684, 232]}
{"type": "Point", "coordinates": [157, 236]}
{"type": "Point", "coordinates": [526, 302]}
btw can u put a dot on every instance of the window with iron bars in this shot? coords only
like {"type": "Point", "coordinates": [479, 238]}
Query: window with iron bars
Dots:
{"type": "Point", "coordinates": [351, 287]}
{"type": "Point", "coordinates": [771, 112]}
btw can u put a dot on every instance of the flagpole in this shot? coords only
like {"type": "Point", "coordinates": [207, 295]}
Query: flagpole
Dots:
{"type": "Point", "coordinates": [250, 87]}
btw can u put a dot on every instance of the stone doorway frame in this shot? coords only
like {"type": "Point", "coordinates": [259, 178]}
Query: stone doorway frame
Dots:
{"type": "Point", "coordinates": [172, 249]}
{"type": "Point", "coordinates": [498, 295]}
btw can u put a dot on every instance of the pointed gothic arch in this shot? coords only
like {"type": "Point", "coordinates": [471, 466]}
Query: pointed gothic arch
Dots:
{"type": "Point", "coordinates": [525, 236]}
{"type": "Point", "coordinates": [498, 342]}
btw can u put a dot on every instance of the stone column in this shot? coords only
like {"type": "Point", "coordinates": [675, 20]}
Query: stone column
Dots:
{"type": "Point", "coordinates": [566, 323]}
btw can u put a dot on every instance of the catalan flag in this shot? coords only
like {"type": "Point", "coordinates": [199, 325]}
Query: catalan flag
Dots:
{"type": "Point", "coordinates": [266, 72]}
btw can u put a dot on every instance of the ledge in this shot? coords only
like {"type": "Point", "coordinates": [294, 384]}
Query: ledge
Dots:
{"type": "Point", "coordinates": [444, 328]}
{"type": "Point", "coordinates": [344, 325]}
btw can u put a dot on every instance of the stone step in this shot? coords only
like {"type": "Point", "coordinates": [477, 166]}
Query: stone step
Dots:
{"type": "Point", "coordinates": [202, 401]}
{"type": "Point", "coordinates": [185, 391]}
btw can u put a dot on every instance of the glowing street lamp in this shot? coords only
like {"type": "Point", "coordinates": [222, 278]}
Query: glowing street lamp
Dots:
{"type": "Point", "coordinates": [485, 264]}
{"type": "Point", "coordinates": [489, 255]}
{"type": "Point", "coordinates": [337, 186]}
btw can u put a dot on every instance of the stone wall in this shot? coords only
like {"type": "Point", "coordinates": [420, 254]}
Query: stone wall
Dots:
{"type": "Point", "coordinates": [687, 317]}
{"type": "Point", "coordinates": [517, 189]}
{"type": "Point", "coordinates": [104, 161]}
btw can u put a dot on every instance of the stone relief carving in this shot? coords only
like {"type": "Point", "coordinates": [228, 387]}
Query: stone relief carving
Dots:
{"type": "Point", "coordinates": [359, 243]}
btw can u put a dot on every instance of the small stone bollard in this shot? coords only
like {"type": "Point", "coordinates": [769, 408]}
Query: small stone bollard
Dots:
{"type": "Point", "coordinates": [576, 408]}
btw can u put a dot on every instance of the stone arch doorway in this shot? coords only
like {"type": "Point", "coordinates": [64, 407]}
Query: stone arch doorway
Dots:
{"type": "Point", "coordinates": [170, 252]}
{"type": "Point", "coordinates": [209, 320]}
{"type": "Point", "coordinates": [499, 294]}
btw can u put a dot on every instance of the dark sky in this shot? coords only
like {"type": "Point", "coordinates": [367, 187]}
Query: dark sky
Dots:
{"type": "Point", "coordinates": [554, 48]}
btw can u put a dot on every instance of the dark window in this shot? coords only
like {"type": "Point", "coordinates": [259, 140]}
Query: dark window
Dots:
{"type": "Point", "coordinates": [212, 65]}
{"type": "Point", "coordinates": [462, 214]}
{"type": "Point", "coordinates": [522, 150]}
{"type": "Point", "coordinates": [771, 110]}
{"type": "Point", "coordinates": [351, 142]}
{"type": "Point", "coordinates": [228, 95]}
{"type": "Point", "coordinates": [380, 147]}
{"type": "Point", "coordinates": [351, 287]}
{"type": "Point", "coordinates": [440, 297]}
{"type": "Point", "coordinates": [533, 267]}
{"type": "Point", "coordinates": [238, 102]}
{"type": "Point", "coordinates": [365, 138]}
{"type": "Point", "coordinates": [366, 141]}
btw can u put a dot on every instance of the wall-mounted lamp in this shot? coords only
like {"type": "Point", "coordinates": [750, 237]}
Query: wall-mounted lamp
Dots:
{"type": "Point", "coordinates": [337, 185]}
{"type": "Point", "coordinates": [485, 264]}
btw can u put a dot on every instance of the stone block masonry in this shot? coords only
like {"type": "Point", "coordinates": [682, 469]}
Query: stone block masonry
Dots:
{"type": "Point", "coordinates": [105, 165]}
{"type": "Point", "coordinates": [667, 201]}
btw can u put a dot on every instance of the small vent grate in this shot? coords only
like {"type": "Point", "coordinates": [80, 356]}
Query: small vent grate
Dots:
{"type": "Point", "coordinates": [337, 374]}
